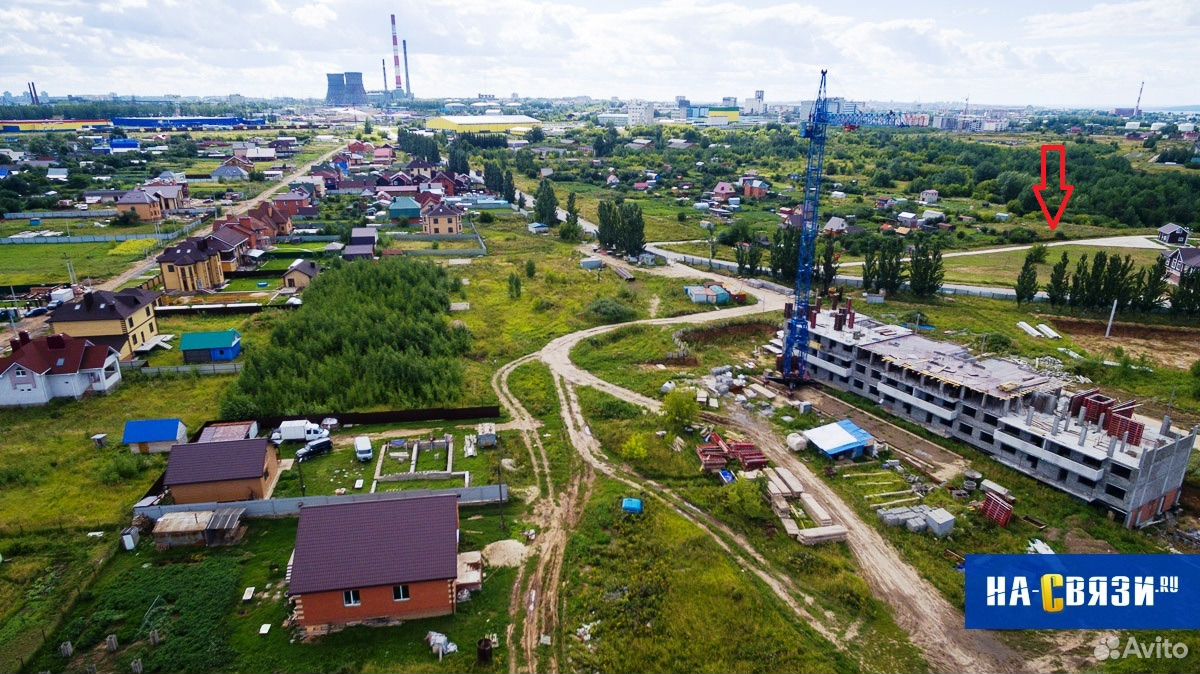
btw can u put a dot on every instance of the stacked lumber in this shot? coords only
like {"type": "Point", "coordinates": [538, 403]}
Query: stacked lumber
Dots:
{"type": "Point", "coordinates": [790, 527]}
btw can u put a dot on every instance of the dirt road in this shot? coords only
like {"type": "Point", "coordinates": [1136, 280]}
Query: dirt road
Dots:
{"type": "Point", "coordinates": [931, 622]}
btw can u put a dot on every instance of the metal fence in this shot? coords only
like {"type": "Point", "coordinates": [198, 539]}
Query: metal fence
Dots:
{"type": "Point", "coordinates": [290, 507]}
{"type": "Point", "coordinates": [197, 368]}
{"type": "Point", "coordinates": [53, 215]}
{"type": "Point", "coordinates": [161, 237]}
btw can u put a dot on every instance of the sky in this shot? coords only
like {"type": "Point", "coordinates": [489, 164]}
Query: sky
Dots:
{"type": "Point", "coordinates": [1066, 53]}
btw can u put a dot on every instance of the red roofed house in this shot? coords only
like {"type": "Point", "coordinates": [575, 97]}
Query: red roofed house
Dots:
{"type": "Point", "coordinates": [218, 472]}
{"type": "Point", "coordinates": [56, 366]}
{"type": "Point", "coordinates": [289, 203]}
{"type": "Point", "coordinates": [723, 191]}
{"type": "Point", "coordinates": [383, 155]}
{"type": "Point", "coordinates": [279, 221]}
{"type": "Point", "coordinates": [375, 562]}
{"type": "Point", "coordinates": [445, 182]}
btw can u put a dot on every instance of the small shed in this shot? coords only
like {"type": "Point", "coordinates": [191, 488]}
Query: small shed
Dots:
{"type": "Point", "coordinates": [538, 228]}
{"type": "Point", "coordinates": [843, 439]}
{"type": "Point", "coordinates": [211, 347]}
{"type": "Point", "coordinates": [200, 528]}
{"type": "Point", "coordinates": [300, 274]}
{"type": "Point", "coordinates": [154, 436]}
{"type": "Point", "coordinates": [591, 263]}
{"type": "Point", "coordinates": [229, 430]}
{"type": "Point", "coordinates": [633, 506]}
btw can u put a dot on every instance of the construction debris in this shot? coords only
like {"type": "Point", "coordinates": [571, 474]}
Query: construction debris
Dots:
{"type": "Point", "coordinates": [917, 518]}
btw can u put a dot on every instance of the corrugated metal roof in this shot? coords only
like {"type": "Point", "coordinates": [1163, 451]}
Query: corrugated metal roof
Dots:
{"type": "Point", "coordinates": [216, 461]}
{"type": "Point", "coordinates": [375, 543]}
{"type": "Point", "coordinates": [223, 339]}
{"type": "Point", "coordinates": [151, 430]}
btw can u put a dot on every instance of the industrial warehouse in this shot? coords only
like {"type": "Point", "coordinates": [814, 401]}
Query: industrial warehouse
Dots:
{"type": "Point", "coordinates": [1083, 443]}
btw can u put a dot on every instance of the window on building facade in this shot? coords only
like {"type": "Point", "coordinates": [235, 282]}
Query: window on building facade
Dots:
{"type": "Point", "coordinates": [400, 593]}
{"type": "Point", "coordinates": [351, 598]}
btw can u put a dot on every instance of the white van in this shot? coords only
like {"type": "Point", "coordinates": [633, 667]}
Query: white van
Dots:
{"type": "Point", "coordinates": [363, 449]}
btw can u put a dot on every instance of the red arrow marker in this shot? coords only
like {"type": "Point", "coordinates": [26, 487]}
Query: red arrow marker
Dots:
{"type": "Point", "coordinates": [1066, 189]}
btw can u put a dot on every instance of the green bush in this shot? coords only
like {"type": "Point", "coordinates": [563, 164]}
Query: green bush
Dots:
{"type": "Point", "coordinates": [607, 310]}
{"type": "Point", "coordinates": [486, 218]}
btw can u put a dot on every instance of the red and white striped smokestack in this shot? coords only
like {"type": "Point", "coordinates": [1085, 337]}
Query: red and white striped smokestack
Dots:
{"type": "Point", "coordinates": [396, 55]}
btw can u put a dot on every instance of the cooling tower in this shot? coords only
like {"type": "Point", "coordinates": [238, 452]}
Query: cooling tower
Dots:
{"type": "Point", "coordinates": [355, 93]}
{"type": "Point", "coordinates": [335, 94]}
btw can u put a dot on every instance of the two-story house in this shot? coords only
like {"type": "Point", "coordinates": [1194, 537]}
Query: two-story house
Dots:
{"type": "Point", "coordinates": [191, 265]}
{"type": "Point", "coordinates": [124, 320]}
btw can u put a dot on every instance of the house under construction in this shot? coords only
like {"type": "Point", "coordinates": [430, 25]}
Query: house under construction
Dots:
{"type": "Point", "coordinates": [1084, 443]}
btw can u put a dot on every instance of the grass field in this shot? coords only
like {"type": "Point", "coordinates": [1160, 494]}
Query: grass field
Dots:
{"type": "Point", "coordinates": [52, 474]}
{"type": "Point", "coordinates": [631, 356]}
{"type": "Point", "coordinates": [207, 628]}
{"type": "Point", "coordinates": [659, 211]}
{"type": "Point", "coordinates": [254, 328]}
{"type": "Point", "coordinates": [250, 285]}
{"type": "Point", "coordinates": [533, 385]}
{"type": "Point", "coordinates": [41, 573]}
{"type": "Point", "coordinates": [1002, 268]}
{"type": "Point", "coordinates": [45, 263]}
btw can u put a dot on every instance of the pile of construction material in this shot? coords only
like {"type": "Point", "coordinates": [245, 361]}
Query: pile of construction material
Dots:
{"type": "Point", "coordinates": [782, 482]}
{"type": "Point", "coordinates": [826, 534]}
{"type": "Point", "coordinates": [918, 518]}
{"type": "Point", "coordinates": [715, 453]}
{"type": "Point", "coordinates": [815, 510]}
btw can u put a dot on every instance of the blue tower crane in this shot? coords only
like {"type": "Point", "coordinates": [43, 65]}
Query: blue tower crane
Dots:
{"type": "Point", "coordinates": [794, 369]}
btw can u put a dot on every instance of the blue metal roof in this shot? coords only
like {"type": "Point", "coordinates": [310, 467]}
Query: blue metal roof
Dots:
{"type": "Point", "coordinates": [151, 430]}
{"type": "Point", "coordinates": [861, 438]}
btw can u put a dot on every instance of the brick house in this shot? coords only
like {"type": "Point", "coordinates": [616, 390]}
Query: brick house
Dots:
{"type": "Point", "coordinates": [374, 562]}
{"type": "Point", "coordinates": [191, 265]}
{"type": "Point", "coordinates": [441, 219]}
{"type": "Point", "coordinates": [148, 207]}
{"type": "Point", "coordinates": [723, 191]}
{"type": "Point", "coordinates": [289, 203]}
{"type": "Point", "coordinates": [234, 470]}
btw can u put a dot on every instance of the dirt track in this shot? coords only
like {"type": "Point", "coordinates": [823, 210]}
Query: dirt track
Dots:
{"type": "Point", "coordinates": [1166, 345]}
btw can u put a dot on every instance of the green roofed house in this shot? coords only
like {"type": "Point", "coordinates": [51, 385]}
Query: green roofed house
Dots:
{"type": "Point", "coordinates": [404, 208]}
{"type": "Point", "coordinates": [211, 347]}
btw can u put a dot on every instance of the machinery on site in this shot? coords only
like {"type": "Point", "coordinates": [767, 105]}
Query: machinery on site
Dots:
{"type": "Point", "coordinates": [793, 364]}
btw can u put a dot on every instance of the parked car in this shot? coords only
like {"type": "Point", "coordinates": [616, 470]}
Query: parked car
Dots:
{"type": "Point", "coordinates": [314, 449]}
{"type": "Point", "coordinates": [362, 448]}
{"type": "Point", "coordinates": [38, 311]}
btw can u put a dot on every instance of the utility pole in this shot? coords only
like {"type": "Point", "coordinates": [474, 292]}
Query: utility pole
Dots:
{"type": "Point", "coordinates": [1111, 316]}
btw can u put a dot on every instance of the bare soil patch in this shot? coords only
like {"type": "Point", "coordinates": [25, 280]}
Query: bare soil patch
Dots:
{"type": "Point", "coordinates": [1166, 345]}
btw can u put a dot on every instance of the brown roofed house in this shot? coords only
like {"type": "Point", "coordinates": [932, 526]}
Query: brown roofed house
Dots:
{"type": "Point", "coordinates": [442, 218]}
{"type": "Point", "coordinates": [300, 274]}
{"type": "Point", "coordinates": [191, 265]}
{"type": "Point", "coordinates": [375, 562]}
{"type": "Point", "coordinates": [214, 472]}
{"type": "Point", "coordinates": [124, 320]}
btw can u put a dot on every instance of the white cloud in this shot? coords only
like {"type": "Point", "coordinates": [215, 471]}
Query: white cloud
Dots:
{"type": "Point", "coordinates": [1087, 53]}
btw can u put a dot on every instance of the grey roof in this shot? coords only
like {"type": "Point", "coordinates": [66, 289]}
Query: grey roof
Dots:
{"type": "Point", "coordinates": [306, 267]}
{"type": "Point", "coordinates": [101, 305]}
{"type": "Point", "coordinates": [228, 238]}
{"type": "Point", "coordinates": [187, 252]}
{"type": "Point", "coordinates": [1190, 257]}
{"type": "Point", "coordinates": [216, 461]}
{"type": "Point", "coordinates": [375, 543]}
{"type": "Point", "coordinates": [1170, 228]}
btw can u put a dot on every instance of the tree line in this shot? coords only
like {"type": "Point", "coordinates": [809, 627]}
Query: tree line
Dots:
{"type": "Point", "coordinates": [1096, 283]}
{"type": "Point", "coordinates": [369, 336]}
{"type": "Point", "coordinates": [621, 227]}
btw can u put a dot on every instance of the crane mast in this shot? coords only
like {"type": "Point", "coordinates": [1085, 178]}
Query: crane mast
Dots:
{"type": "Point", "coordinates": [793, 364]}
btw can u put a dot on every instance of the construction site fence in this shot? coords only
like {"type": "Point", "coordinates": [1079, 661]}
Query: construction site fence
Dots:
{"type": "Point", "coordinates": [290, 507]}
{"type": "Point", "coordinates": [219, 309]}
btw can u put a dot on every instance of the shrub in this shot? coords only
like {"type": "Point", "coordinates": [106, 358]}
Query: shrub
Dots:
{"type": "Point", "coordinates": [607, 310]}
{"type": "Point", "coordinates": [486, 218]}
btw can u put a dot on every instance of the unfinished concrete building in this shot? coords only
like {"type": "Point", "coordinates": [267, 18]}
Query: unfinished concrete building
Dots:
{"type": "Point", "coordinates": [1084, 443]}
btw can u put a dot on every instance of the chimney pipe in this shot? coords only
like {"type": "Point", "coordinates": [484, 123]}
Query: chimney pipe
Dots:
{"type": "Point", "coordinates": [407, 81]}
{"type": "Point", "coordinates": [23, 336]}
{"type": "Point", "coordinates": [1166, 425]}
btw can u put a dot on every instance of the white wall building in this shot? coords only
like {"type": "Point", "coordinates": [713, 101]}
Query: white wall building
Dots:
{"type": "Point", "coordinates": [56, 366]}
{"type": "Point", "coordinates": [641, 113]}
